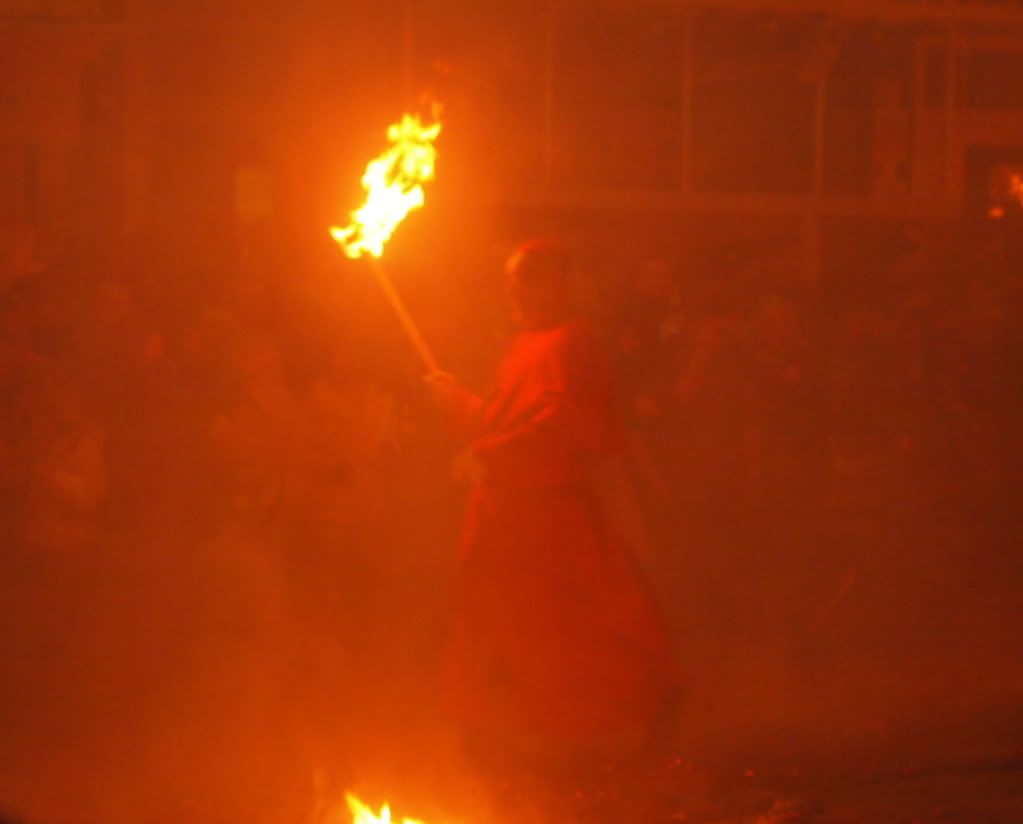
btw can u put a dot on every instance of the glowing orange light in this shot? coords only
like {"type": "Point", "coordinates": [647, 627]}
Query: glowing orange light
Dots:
{"type": "Point", "coordinates": [1016, 187]}
{"type": "Point", "coordinates": [996, 213]}
{"type": "Point", "coordinates": [363, 814]}
{"type": "Point", "coordinates": [394, 187]}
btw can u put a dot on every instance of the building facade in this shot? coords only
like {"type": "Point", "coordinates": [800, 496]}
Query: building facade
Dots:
{"type": "Point", "coordinates": [186, 128]}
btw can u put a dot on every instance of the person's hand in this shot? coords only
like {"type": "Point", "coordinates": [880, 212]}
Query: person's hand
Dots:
{"type": "Point", "coordinates": [452, 398]}
{"type": "Point", "coordinates": [445, 388]}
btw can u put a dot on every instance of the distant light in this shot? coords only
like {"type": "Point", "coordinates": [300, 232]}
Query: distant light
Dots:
{"type": "Point", "coordinates": [996, 213]}
{"type": "Point", "coordinates": [1016, 187]}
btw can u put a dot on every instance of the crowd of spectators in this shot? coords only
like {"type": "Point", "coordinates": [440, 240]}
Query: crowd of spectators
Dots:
{"type": "Point", "coordinates": [789, 383]}
{"type": "Point", "coordinates": [137, 402]}
{"type": "Point", "coordinates": [791, 437]}
{"type": "Point", "coordinates": [173, 446]}
{"type": "Point", "coordinates": [191, 507]}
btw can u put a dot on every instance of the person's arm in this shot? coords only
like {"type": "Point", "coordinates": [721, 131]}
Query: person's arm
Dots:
{"type": "Point", "coordinates": [462, 407]}
{"type": "Point", "coordinates": [573, 405]}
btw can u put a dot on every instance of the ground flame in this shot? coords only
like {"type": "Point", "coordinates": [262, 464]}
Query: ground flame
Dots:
{"type": "Point", "coordinates": [394, 187]}
{"type": "Point", "coordinates": [363, 813]}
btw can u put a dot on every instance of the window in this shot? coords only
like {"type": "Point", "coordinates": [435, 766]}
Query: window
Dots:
{"type": "Point", "coordinates": [994, 80]}
{"type": "Point", "coordinates": [617, 100]}
{"type": "Point", "coordinates": [753, 107]}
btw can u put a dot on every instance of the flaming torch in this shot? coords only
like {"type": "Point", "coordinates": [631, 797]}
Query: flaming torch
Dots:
{"type": "Point", "coordinates": [394, 188]}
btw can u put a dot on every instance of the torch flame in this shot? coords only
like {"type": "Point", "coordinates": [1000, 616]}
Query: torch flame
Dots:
{"type": "Point", "coordinates": [393, 184]}
{"type": "Point", "coordinates": [363, 813]}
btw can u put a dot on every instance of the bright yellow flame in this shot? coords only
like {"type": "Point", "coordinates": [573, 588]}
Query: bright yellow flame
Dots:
{"type": "Point", "coordinates": [363, 813]}
{"type": "Point", "coordinates": [394, 187]}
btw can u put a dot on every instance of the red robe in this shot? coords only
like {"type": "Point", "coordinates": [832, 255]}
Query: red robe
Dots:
{"type": "Point", "coordinates": [554, 632]}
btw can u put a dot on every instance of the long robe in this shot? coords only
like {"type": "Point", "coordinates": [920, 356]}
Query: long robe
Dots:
{"type": "Point", "coordinates": [554, 631]}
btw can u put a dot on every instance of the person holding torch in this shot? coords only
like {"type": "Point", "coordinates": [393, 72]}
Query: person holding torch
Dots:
{"type": "Point", "coordinates": [556, 641]}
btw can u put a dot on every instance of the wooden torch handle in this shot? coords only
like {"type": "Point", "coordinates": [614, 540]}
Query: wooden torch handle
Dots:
{"type": "Point", "coordinates": [409, 325]}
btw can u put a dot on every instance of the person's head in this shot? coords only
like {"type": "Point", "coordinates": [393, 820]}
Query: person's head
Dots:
{"type": "Point", "coordinates": [539, 281]}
